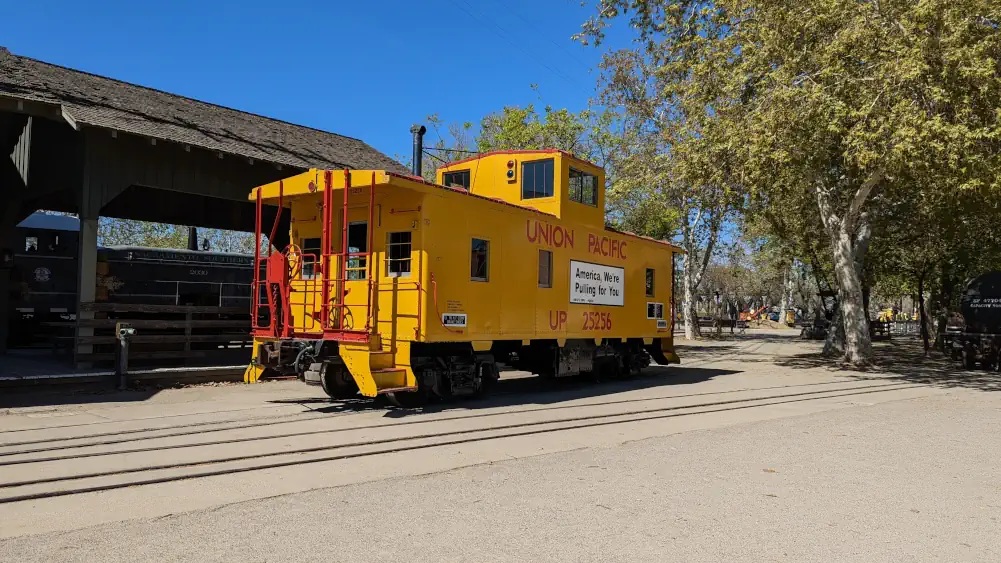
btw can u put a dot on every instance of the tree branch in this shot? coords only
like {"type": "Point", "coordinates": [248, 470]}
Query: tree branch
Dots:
{"type": "Point", "coordinates": [827, 215]}
{"type": "Point", "coordinates": [698, 219]}
{"type": "Point", "coordinates": [855, 209]}
{"type": "Point", "coordinates": [713, 235]}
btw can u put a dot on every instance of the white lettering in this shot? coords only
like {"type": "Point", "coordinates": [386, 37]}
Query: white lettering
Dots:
{"type": "Point", "coordinates": [453, 319]}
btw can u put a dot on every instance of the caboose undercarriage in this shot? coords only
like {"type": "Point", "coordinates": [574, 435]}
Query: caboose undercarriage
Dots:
{"type": "Point", "coordinates": [446, 370]}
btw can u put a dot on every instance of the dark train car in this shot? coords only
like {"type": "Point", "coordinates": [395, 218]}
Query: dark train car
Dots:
{"type": "Point", "coordinates": [979, 340]}
{"type": "Point", "coordinates": [156, 276]}
{"type": "Point", "coordinates": [44, 277]}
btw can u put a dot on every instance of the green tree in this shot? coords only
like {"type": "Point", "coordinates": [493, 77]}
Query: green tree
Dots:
{"type": "Point", "coordinates": [675, 175]}
{"type": "Point", "coordinates": [127, 232]}
{"type": "Point", "coordinates": [835, 101]}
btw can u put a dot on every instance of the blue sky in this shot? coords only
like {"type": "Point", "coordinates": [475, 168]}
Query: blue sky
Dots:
{"type": "Point", "coordinates": [363, 69]}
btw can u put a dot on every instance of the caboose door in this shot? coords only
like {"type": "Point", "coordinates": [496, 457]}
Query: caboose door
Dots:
{"type": "Point", "coordinates": [398, 240]}
{"type": "Point", "coordinates": [355, 275]}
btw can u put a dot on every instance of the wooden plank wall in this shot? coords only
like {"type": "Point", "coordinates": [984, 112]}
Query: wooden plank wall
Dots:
{"type": "Point", "coordinates": [165, 334]}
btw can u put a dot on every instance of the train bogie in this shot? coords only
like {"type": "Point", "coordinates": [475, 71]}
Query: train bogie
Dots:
{"type": "Point", "coordinates": [419, 290]}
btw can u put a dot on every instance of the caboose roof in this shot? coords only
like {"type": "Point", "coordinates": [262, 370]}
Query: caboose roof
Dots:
{"type": "Point", "coordinates": [311, 183]}
{"type": "Point", "coordinates": [521, 152]}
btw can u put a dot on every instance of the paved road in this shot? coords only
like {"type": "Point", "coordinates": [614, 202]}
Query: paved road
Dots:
{"type": "Point", "coordinates": [748, 452]}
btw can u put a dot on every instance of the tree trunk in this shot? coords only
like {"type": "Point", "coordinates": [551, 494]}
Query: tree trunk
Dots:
{"type": "Point", "coordinates": [858, 346]}
{"type": "Point", "coordinates": [695, 264]}
{"type": "Point", "coordinates": [849, 237]}
{"type": "Point", "coordinates": [691, 316]}
{"type": "Point", "coordinates": [834, 344]}
{"type": "Point", "coordinates": [944, 305]}
{"type": "Point", "coordinates": [866, 291]}
{"type": "Point", "coordinates": [922, 318]}
{"type": "Point", "coordinates": [786, 294]}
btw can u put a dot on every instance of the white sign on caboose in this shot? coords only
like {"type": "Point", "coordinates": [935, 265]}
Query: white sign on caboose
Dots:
{"type": "Point", "coordinates": [594, 284]}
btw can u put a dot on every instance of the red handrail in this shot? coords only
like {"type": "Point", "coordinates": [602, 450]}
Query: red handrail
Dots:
{"type": "Point", "coordinates": [278, 216]}
{"type": "Point", "coordinates": [325, 250]}
{"type": "Point", "coordinates": [254, 286]}
{"type": "Point", "coordinates": [370, 306]}
{"type": "Point", "coordinates": [344, 249]}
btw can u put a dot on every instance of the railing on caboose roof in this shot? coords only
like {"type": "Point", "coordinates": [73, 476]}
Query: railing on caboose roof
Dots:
{"type": "Point", "coordinates": [281, 270]}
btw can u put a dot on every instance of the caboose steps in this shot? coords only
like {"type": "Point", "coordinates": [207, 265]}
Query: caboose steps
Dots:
{"type": "Point", "coordinates": [381, 359]}
{"type": "Point", "coordinates": [375, 371]}
{"type": "Point", "coordinates": [391, 378]}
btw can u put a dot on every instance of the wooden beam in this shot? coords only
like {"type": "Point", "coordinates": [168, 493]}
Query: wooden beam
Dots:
{"type": "Point", "coordinates": [167, 339]}
{"type": "Point", "coordinates": [150, 324]}
{"type": "Point", "coordinates": [148, 308]}
{"type": "Point", "coordinates": [68, 118]}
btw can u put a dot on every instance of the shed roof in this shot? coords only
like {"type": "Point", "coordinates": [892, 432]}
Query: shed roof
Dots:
{"type": "Point", "coordinates": [50, 222]}
{"type": "Point", "coordinates": [99, 101]}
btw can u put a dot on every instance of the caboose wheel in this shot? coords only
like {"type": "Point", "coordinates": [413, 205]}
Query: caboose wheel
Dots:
{"type": "Point", "coordinates": [337, 382]}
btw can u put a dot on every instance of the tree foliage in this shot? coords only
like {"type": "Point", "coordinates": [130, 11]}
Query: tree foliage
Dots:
{"type": "Point", "coordinates": [127, 232]}
{"type": "Point", "coordinates": [845, 105]}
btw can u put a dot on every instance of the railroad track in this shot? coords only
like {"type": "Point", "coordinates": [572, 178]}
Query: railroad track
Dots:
{"type": "Point", "coordinates": [137, 434]}
{"type": "Point", "coordinates": [5, 456]}
{"type": "Point", "coordinates": [34, 473]}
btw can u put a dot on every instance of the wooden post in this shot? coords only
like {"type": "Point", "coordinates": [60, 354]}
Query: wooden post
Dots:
{"type": "Point", "coordinates": [187, 335]}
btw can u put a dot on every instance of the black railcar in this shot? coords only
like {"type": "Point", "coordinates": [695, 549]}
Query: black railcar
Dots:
{"type": "Point", "coordinates": [44, 277]}
{"type": "Point", "coordinates": [979, 339]}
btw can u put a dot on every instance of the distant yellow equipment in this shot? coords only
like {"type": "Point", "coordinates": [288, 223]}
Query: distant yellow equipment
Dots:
{"type": "Point", "coordinates": [393, 285]}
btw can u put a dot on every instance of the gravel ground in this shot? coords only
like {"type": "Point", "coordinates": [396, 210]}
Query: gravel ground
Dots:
{"type": "Point", "coordinates": [905, 475]}
{"type": "Point", "coordinates": [914, 480]}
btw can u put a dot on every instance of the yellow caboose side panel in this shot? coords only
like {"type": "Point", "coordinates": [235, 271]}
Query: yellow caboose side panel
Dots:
{"type": "Point", "coordinates": [543, 278]}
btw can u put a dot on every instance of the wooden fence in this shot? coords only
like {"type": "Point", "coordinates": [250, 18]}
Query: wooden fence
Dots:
{"type": "Point", "coordinates": [165, 334]}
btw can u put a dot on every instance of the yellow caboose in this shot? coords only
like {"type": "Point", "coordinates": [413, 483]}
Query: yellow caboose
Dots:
{"type": "Point", "coordinates": [394, 285]}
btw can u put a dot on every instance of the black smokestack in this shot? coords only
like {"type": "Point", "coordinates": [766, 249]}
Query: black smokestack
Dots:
{"type": "Point", "coordinates": [192, 238]}
{"type": "Point", "coordinates": [418, 131]}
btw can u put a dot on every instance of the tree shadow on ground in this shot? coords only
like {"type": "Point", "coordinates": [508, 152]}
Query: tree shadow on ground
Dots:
{"type": "Point", "coordinates": [714, 342]}
{"type": "Point", "coordinates": [82, 394]}
{"type": "Point", "coordinates": [689, 349]}
{"type": "Point", "coordinates": [529, 390]}
{"type": "Point", "coordinates": [904, 359]}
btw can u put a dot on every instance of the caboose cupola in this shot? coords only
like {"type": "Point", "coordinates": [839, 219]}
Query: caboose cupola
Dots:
{"type": "Point", "coordinates": [551, 181]}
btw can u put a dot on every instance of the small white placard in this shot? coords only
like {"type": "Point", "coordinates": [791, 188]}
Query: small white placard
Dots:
{"type": "Point", "coordinates": [453, 319]}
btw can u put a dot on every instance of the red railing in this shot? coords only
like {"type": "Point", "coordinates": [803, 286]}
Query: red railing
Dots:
{"type": "Point", "coordinates": [280, 285]}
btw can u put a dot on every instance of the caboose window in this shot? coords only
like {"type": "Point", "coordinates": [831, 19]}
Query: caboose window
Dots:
{"type": "Point", "coordinates": [479, 266]}
{"type": "Point", "coordinates": [457, 179]}
{"type": "Point", "coordinates": [649, 282]}
{"type": "Point", "coordinates": [357, 242]}
{"type": "Point", "coordinates": [398, 255]}
{"type": "Point", "coordinates": [545, 268]}
{"type": "Point", "coordinates": [310, 258]}
{"type": "Point", "coordinates": [537, 179]}
{"type": "Point", "coordinates": [583, 187]}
